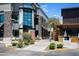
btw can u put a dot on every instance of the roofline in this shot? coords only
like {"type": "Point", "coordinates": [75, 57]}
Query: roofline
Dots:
{"type": "Point", "coordinates": [41, 9]}
{"type": "Point", "coordinates": [70, 8]}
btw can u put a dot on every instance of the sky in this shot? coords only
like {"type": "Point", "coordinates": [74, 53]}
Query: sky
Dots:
{"type": "Point", "coordinates": [54, 9]}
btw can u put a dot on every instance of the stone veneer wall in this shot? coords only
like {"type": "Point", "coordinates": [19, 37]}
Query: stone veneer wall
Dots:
{"type": "Point", "coordinates": [7, 27]}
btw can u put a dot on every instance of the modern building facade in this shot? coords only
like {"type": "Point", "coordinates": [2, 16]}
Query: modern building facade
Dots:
{"type": "Point", "coordinates": [70, 22]}
{"type": "Point", "coordinates": [18, 18]}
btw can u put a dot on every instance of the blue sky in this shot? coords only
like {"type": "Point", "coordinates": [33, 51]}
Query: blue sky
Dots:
{"type": "Point", "coordinates": [54, 9]}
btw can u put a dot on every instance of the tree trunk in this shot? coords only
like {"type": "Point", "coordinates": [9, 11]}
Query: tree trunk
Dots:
{"type": "Point", "coordinates": [55, 35]}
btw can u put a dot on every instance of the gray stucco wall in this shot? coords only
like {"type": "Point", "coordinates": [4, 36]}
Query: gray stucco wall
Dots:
{"type": "Point", "coordinates": [15, 6]}
{"type": "Point", "coordinates": [5, 7]}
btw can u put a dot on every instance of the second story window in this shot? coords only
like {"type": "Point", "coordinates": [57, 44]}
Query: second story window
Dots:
{"type": "Point", "coordinates": [27, 17]}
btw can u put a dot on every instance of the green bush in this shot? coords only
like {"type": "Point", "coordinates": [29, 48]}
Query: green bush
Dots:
{"type": "Point", "coordinates": [32, 41]}
{"type": "Point", "coordinates": [26, 42]}
{"type": "Point", "coordinates": [20, 43]}
{"type": "Point", "coordinates": [14, 44]}
{"type": "Point", "coordinates": [60, 45]}
{"type": "Point", "coordinates": [26, 36]}
{"type": "Point", "coordinates": [52, 46]}
{"type": "Point", "coordinates": [14, 39]}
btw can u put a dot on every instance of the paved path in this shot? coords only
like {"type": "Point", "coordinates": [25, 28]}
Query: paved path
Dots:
{"type": "Point", "coordinates": [23, 53]}
{"type": "Point", "coordinates": [71, 52]}
{"type": "Point", "coordinates": [38, 50]}
{"type": "Point", "coordinates": [38, 46]}
{"type": "Point", "coordinates": [71, 45]}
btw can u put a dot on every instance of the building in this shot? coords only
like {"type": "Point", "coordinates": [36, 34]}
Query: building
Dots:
{"type": "Point", "coordinates": [70, 23]}
{"type": "Point", "coordinates": [16, 18]}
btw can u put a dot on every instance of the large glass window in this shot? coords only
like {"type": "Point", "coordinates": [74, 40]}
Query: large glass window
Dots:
{"type": "Point", "coordinates": [27, 17]}
{"type": "Point", "coordinates": [1, 18]}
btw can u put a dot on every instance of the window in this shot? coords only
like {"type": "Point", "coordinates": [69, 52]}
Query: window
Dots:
{"type": "Point", "coordinates": [27, 18]}
{"type": "Point", "coordinates": [1, 18]}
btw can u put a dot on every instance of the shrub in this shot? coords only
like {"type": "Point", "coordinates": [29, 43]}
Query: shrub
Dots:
{"type": "Point", "coordinates": [32, 41]}
{"type": "Point", "coordinates": [60, 45]}
{"type": "Point", "coordinates": [14, 39]}
{"type": "Point", "coordinates": [14, 44]}
{"type": "Point", "coordinates": [52, 46]}
{"type": "Point", "coordinates": [26, 42]}
{"type": "Point", "coordinates": [20, 43]}
{"type": "Point", "coordinates": [26, 36]}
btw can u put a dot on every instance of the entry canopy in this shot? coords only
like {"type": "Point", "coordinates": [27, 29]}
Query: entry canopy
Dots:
{"type": "Point", "coordinates": [68, 25]}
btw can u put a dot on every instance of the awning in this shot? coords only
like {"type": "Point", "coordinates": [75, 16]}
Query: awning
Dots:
{"type": "Point", "coordinates": [69, 25]}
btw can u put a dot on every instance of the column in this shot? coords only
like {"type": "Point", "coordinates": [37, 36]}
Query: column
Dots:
{"type": "Point", "coordinates": [7, 28]}
{"type": "Point", "coordinates": [40, 27]}
{"type": "Point", "coordinates": [33, 19]}
{"type": "Point", "coordinates": [21, 24]}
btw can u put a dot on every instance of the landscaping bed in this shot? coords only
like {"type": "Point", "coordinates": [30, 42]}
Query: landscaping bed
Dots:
{"type": "Point", "coordinates": [27, 40]}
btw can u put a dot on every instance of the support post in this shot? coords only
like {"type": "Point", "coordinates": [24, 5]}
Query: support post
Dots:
{"type": "Point", "coordinates": [32, 19]}
{"type": "Point", "coordinates": [21, 24]}
{"type": "Point", "coordinates": [40, 27]}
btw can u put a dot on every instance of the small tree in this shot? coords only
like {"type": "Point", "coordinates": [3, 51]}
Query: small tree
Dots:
{"type": "Point", "coordinates": [53, 22]}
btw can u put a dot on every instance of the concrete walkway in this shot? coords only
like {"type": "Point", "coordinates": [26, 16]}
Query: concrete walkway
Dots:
{"type": "Point", "coordinates": [38, 46]}
{"type": "Point", "coordinates": [41, 45]}
{"type": "Point", "coordinates": [71, 45]}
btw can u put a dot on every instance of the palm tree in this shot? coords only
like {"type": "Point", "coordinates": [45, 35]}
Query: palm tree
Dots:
{"type": "Point", "coordinates": [53, 22]}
